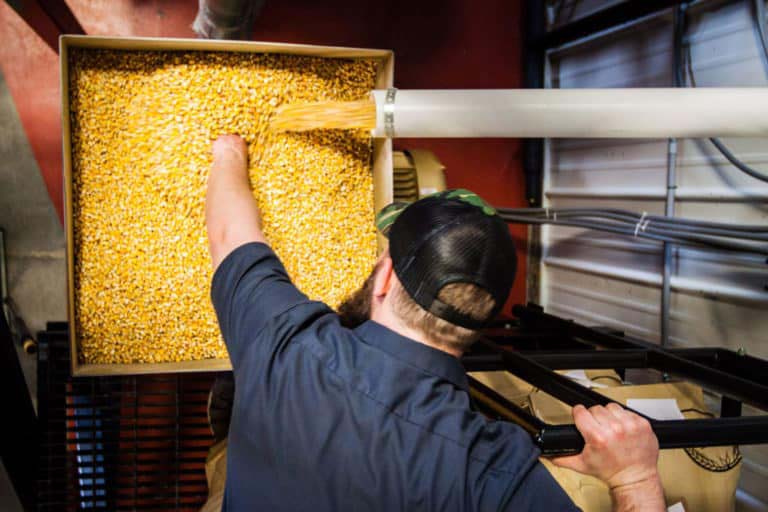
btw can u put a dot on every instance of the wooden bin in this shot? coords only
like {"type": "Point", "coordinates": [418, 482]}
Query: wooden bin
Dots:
{"type": "Point", "coordinates": [381, 164]}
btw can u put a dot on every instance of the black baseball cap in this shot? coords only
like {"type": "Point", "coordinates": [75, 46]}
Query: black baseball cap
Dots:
{"type": "Point", "coordinates": [449, 237]}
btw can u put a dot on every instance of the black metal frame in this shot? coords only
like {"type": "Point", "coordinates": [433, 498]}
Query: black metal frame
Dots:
{"type": "Point", "coordinates": [546, 343]}
{"type": "Point", "coordinates": [537, 41]}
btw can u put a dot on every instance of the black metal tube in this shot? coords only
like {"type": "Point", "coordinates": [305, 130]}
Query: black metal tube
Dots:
{"type": "Point", "coordinates": [543, 378]}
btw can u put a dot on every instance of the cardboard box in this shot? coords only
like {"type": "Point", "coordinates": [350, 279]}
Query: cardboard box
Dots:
{"type": "Point", "coordinates": [381, 162]}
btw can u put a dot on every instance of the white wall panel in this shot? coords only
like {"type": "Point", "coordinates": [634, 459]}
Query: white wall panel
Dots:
{"type": "Point", "coordinates": [719, 299]}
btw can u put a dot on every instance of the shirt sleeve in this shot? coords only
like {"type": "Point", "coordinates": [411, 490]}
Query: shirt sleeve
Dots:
{"type": "Point", "coordinates": [250, 287]}
{"type": "Point", "coordinates": [540, 491]}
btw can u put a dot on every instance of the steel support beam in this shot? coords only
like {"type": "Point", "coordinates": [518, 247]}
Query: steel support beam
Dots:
{"type": "Point", "coordinates": [48, 18]}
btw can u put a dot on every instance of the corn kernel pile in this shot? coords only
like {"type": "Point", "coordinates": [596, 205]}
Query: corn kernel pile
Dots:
{"type": "Point", "coordinates": [142, 127]}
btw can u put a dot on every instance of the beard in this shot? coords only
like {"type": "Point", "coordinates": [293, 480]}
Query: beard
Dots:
{"type": "Point", "coordinates": [356, 308]}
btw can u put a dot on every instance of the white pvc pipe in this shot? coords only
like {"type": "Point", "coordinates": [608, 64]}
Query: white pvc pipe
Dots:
{"type": "Point", "coordinates": [599, 113]}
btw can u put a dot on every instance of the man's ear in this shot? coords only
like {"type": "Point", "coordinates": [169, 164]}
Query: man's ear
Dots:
{"type": "Point", "coordinates": [383, 280]}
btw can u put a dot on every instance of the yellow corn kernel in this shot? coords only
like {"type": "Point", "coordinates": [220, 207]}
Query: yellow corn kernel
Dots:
{"type": "Point", "coordinates": [142, 126]}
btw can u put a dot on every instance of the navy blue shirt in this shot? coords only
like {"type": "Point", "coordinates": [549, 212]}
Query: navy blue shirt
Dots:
{"type": "Point", "coordinates": [331, 419]}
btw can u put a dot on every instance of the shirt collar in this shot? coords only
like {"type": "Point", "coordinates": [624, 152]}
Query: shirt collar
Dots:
{"type": "Point", "coordinates": [431, 360]}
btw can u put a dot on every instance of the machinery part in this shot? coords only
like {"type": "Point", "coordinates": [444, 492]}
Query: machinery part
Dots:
{"type": "Point", "coordinates": [416, 173]}
{"type": "Point", "coordinates": [226, 19]}
{"type": "Point", "coordinates": [19, 331]}
{"type": "Point", "coordinates": [579, 113]}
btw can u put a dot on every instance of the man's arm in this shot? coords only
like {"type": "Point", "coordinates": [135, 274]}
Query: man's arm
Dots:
{"type": "Point", "coordinates": [250, 287]}
{"type": "Point", "coordinates": [231, 214]}
{"type": "Point", "coordinates": [621, 450]}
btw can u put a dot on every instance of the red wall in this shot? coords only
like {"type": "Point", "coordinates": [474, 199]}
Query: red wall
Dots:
{"type": "Point", "coordinates": [437, 44]}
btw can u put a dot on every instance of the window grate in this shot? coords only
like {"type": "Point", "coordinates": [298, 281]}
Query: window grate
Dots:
{"type": "Point", "coordinates": [119, 443]}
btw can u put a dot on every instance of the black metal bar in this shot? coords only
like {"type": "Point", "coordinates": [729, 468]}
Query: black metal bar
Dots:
{"type": "Point", "coordinates": [592, 359]}
{"type": "Point", "coordinates": [603, 19]}
{"type": "Point", "coordinates": [483, 363]}
{"type": "Point", "coordinates": [497, 406]}
{"type": "Point", "coordinates": [564, 439]}
{"type": "Point", "coordinates": [729, 408]}
{"type": "Point", "coordinates": [562, 360]}
{"type": "Point", "coordinates": [741, 388]}
{"type": "Point", "coordinates": [536, 341]}
{"type": "Point", "coordinates": [559, 386]}
{"type": "Point", "coordinates": [736, 363]}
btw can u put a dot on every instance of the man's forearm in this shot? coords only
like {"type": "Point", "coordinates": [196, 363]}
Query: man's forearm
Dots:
{"type": "Point", "coordinates": [645, 496]}
{"type": "Point", "coordinates": [231, 215]}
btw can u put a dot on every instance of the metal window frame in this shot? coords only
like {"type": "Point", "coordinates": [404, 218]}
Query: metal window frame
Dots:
{"type": "Point", "coordinates": [567, 345]}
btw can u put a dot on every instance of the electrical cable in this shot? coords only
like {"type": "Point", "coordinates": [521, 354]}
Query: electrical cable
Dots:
{"type": "Point", "coordinates": [636, 225]}
{"type": "Point", "coordinates": [760, 20]}
{"type": "Point", "coordinates": [754, 228]}
{"type": "Point", "coordinates": [658, 226]}
{"type": "Point", "coordinates": [680, 60]}
{"type": "Point", "coordinates": [736, 162]}
{"type": "Point", "coordinates": [654, 223]}
{"type": "Point", "coordinates": [662, 236]}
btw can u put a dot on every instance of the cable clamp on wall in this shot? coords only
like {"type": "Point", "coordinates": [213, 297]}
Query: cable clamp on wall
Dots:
{"type": "Point", "coordinates": [640, 223]}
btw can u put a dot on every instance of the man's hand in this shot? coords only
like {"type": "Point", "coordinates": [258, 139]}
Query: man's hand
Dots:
{"type": "Point", "coordinates": [621, 450]}
{"type": "Point", "coordinates": [230, 148]}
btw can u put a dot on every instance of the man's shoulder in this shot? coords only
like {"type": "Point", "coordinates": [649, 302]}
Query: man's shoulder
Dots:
{"type": "Point", "coordinates": [418, 399]}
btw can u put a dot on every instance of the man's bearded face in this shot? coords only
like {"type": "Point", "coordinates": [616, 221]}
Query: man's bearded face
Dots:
{"type": "Point", "coordinates": [356, 308]}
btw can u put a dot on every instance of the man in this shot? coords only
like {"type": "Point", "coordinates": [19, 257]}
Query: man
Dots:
{"type": "Point", "coordinates": [378, 417]}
